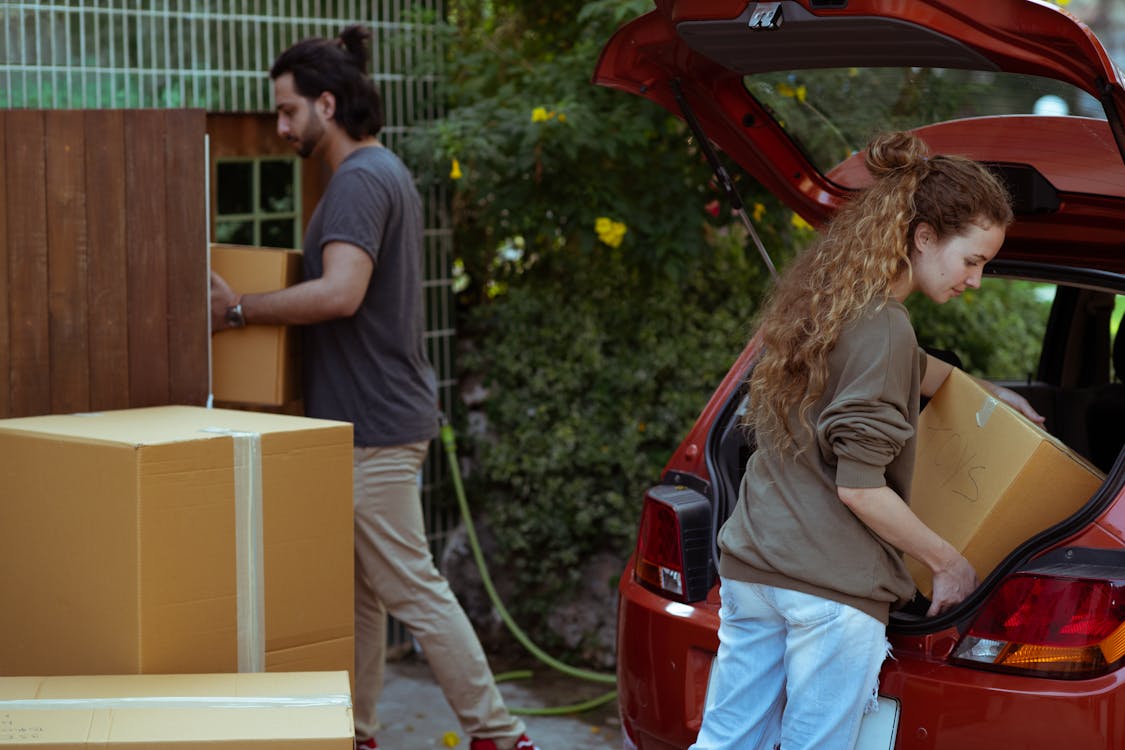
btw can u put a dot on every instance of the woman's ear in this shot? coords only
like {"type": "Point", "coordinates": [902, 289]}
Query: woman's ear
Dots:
{"type": "Point", "coordinates": [925, 237]}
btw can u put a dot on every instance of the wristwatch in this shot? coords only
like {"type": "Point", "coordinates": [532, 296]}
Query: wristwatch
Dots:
{"type": "Point", "coordinates": [234, 316]}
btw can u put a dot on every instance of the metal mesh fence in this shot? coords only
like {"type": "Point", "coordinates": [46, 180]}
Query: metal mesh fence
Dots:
{"type": "Point", "coordinates": [215, 55]}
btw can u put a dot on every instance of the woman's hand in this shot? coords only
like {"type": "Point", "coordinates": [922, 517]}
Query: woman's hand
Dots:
{"type": "Point", "coordinates": [1016, 401]}
{"type": "Point", "coordinates": [953, 582]}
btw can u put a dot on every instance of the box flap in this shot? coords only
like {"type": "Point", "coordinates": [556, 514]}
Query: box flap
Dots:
{"type": "Point", "coordinates": [233, 710]}
{"type": "Point", "coordinates": [162, 424]}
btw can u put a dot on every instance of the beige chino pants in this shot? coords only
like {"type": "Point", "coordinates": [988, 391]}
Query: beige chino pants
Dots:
{"type": "Point", "coordinates": [395, 573]}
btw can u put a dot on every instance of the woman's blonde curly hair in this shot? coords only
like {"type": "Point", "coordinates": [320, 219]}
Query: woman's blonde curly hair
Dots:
{"type": "Point", "coordinates": [852, 264]}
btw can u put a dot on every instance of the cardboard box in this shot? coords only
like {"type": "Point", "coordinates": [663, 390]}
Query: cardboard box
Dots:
{"type": "Point", "coordinates": [257, 364]}
{"type": "Point", "coordinates": [295, 711]}
{"type": "Point", "coordinates": [175, 540]}
{"type": "Point", "coordinates": [986, 479]}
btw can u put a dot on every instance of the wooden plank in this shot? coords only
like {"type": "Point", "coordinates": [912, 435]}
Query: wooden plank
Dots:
{"type": "Point", "coordinates": [188, 283]}
{"type": "Point", "coordinates": [5, 313]}
{"type": "Point", "coordinates": [147, 272]}
{"type": "Point", "coordinates": [66, 262]}
{"type": "Point", "coordinates": [25, 167]}
{"type": "Point", "coordinates": [108, 269]}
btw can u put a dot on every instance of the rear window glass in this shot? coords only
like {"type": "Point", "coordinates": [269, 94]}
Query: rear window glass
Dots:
{"type": "Point", "coordinates": [818, 108]}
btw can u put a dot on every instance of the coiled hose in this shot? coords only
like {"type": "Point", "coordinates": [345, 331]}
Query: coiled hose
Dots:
{"type": "Point", "coordinates": [449, 440]}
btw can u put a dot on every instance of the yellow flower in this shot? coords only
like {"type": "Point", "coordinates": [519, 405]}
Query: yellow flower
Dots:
{"type": "Point", "coordinates": [789, 92]}
{"type": "Point", "coordinates": [609, 231]}
{"type": "Point", "coordinates": [455, 171]}
{"type": "Point", "coordinates": [759, 211]}
{"type": "Point", "coordinates": [540, 114]}
{"type": "Point", "coordinates": [450, 739]}
{"type": "Point", "coordinates": [562, 116]}
{"type": "Point", "coordinates": [800, 223]}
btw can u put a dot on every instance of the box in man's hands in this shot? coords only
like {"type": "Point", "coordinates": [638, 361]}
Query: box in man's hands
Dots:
{"type": "Point", "coordinates": [257, 364]}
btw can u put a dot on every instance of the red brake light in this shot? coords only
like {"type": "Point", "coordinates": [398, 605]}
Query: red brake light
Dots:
{"type": "Point", "coordinates": [1050, 626]}
{"type": "Point", "coordinates": [659, 557]}
{"type": "Point", "coordinates": [673, 555]}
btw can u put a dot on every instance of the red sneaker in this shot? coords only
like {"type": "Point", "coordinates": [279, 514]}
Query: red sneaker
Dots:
{"type": "Point", "coordinates": [523, 743]}
{"type": "Point", "coordinates": [366, 744]}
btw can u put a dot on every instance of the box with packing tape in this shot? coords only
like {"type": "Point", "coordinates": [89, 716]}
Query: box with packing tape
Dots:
{"type": "Point", "coordinates": [257, 364]}
{"type": "Point", "coordinates": [175, 539]}
{"type": "Point", "coordinates": [297, 711]}
{"type": "Point", "coordinates": [986, 479]}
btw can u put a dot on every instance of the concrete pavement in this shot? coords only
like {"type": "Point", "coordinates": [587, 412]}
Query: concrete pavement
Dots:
{"type": "Point", "coordinates": [415, 715]}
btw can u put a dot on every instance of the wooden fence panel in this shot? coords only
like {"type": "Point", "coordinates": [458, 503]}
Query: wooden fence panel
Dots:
{"type": "Point", "coordinates": [25, 162]}
{"type": "Point", "coordinates": [103, 242]}
{"type": "Point", "coordinates": [5, 360]}
{"type": "Point", "coordinates": [66, 262]}
{"type": "Point", "coordinates": [107, 283]}
{"type": "Point", "coordinates": [146, 239]}
{"type": "Point", "coordinates": [187, 266]}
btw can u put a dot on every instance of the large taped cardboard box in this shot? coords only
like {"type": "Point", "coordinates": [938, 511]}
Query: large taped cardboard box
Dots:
{"type": "Point", "coordinates": [986, 479]}
{"type": "Point", "coordinates": [294, 711]}
{"type": "Point", "coordinates": [257, 364]}
{"type": "Point", "coordinates": [175, 539]}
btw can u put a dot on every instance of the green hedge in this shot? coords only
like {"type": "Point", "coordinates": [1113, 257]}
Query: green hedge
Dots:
{"type": "Point", "coordinates": [595, 369]}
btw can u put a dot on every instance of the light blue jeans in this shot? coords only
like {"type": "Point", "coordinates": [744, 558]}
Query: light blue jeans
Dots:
{"type": "Point", "coordinates": [793, 671]}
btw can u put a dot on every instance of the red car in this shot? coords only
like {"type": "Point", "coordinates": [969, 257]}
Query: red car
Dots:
{"type": "Point", "coordinates": [791, 91]}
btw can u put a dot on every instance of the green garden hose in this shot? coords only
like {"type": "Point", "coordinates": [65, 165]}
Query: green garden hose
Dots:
{"type": "Point", "coordinates": [450, 443]}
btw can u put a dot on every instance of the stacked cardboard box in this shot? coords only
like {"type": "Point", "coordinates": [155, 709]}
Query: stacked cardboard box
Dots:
{"type": "Point", "coordinates": [175, 540]}
{"type": "Point", "coordinates": [986, 479]}
{"type": "Point", "coordinates": [258, 364]}
{"type": "Point", "coordinates": [296, 711]}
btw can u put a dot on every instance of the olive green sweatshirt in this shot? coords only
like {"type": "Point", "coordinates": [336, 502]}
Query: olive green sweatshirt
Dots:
{"type": "Point", "coordinates": [789, 528]}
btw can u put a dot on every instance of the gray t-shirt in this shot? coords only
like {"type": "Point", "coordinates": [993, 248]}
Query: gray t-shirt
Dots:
{"type": "Point", "coordinates": [371, 369]}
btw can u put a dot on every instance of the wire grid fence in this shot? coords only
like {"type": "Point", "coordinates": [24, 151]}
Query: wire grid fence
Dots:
{"type": "Point", "coordinates": [215, 55]}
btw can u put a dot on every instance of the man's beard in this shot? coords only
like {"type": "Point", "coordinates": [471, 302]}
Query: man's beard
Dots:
{"type": "Point", "coordinates": [306, 143]}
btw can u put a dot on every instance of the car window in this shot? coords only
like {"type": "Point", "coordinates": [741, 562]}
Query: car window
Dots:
{"type": "Point", "coordinates": [996, 332]}
{"type": "Point", "coordinates": [1115, 323]}
{"type": "Point", "coordinates": [817, 108]}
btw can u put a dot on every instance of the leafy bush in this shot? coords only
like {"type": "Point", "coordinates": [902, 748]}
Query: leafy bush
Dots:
{"type": "Point", "coordinates": [602, 291]}
{"type": "Point", "coordinates": [596, 369]}
{"type": "Point", "coordinates": [997, 331]}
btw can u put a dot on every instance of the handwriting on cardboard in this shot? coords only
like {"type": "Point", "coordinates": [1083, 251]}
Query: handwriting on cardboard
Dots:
{"type": "Point", "coordinates": [959, 468]}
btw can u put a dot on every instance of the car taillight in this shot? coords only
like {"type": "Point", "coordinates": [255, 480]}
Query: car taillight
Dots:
{"type": "Point", "coordinates": [673, 554]}
{"type": "Point", "coordinates": [1071, 628]}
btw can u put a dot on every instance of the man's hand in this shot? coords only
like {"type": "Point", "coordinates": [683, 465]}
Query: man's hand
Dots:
{"type": "Point", "coordinates": [222, 298]}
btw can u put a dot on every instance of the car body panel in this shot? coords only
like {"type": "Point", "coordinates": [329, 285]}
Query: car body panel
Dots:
{"type": "Point", "coordinates": [1077, 157]}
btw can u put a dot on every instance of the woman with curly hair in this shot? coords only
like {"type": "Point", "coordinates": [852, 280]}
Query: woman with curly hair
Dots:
{"type": "Point", "coordinates": [811, 558]}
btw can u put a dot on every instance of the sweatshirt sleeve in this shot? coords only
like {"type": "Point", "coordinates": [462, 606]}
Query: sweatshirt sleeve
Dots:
{"type": "Point", "coordinates": [866, 421]}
